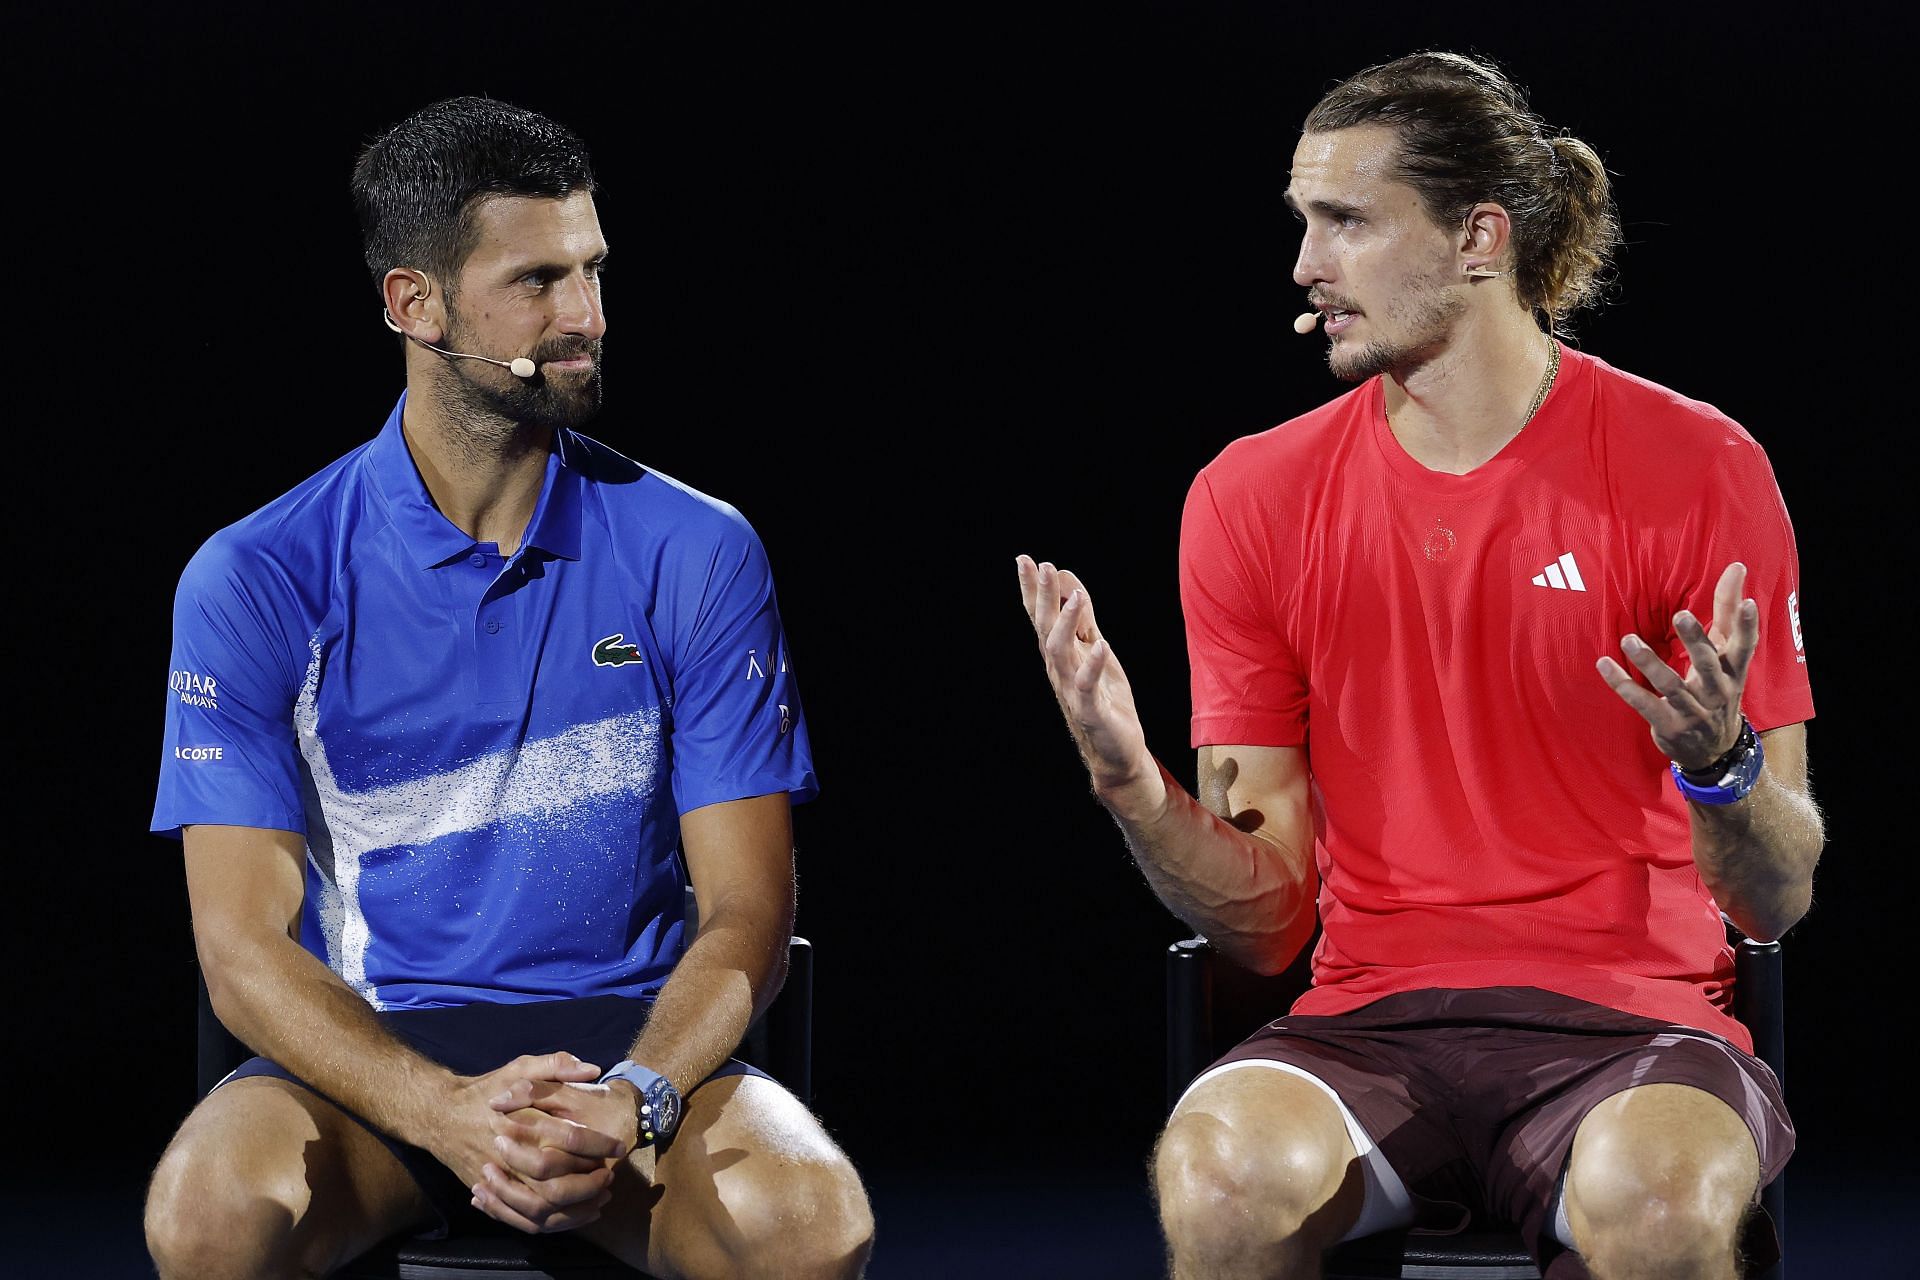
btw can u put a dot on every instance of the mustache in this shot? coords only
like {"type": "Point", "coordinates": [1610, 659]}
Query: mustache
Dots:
{"type": "Point", "coordinates": [1319, 301]}
{"type": "Point", "coordinates": [567, 349]}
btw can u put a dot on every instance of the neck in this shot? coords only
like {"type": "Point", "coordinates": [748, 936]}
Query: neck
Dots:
{"type": "Point", "coordinates": [483, 471]}
{"type": "Point", "coordinates": [1459, 408]}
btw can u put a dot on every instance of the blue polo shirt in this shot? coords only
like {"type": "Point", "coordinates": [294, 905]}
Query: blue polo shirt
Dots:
{"type": "Point", "coordinates": [488, 756]}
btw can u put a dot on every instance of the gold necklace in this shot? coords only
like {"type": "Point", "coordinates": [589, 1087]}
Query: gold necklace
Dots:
{"type": "Point", "coordinates": [1546, 382]}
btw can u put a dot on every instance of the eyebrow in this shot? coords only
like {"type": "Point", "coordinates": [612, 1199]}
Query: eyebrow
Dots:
{"type": "Point", "coordinates": [525, 268]}
{"type": "Point", "coordinates": [1325, 208]}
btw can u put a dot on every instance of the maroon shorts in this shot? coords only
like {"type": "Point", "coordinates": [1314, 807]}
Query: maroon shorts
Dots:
{"type": "Point", "coordinates": [1473, 1096]}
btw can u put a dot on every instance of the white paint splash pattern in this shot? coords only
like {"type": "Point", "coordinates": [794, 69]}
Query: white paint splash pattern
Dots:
{"type": "Point", "coordinates": [615, 756]}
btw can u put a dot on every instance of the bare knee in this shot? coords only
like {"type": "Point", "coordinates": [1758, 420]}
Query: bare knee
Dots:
{"type": "Point", "coordinates": [796, 1219]}
{"type": "Point", "coordinates": [1666, 1198]}
{"type": "Point", "coordinates": [1219, 1182]}
{"type": "Point", "coordinates": [201, 1225]}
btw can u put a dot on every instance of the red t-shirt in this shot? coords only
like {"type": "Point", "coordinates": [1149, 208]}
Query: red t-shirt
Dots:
{"type": "Point", "coordinates": [1487, 812]}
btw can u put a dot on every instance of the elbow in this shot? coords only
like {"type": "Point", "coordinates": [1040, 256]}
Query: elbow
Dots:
{"type": "Point", "coordinates": [1266, 955]}
{"type": "Point", "coordinates": [1771, 922]}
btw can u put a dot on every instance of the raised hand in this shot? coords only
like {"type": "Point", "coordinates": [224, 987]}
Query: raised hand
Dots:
{"type": "Point", "coordinates": [1087, 679]}
{"type": "Point", "coordinates": [1695, 719]}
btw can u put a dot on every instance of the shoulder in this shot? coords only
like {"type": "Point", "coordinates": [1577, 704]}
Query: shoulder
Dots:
{"type": "Point", "coordinates": [644, 507]}
{"type": "Point", "coordinates": [292, 539]}
{"type": "Point", "coordinates": [1644, 423]}
{"type": "Point", "coordinates": [1281, 468]}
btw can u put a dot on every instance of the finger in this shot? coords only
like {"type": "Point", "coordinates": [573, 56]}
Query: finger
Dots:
{"type": "Point", "coordinates": [1069, 626]}
{"type": "Point", "coordinates": [1029, 574]}
{"type": "Point", "coordinates": [1087, 678]}
{"type": "Point", "coordinates": [537, 1130]}
{"type": "Point", "coordinates": [1086, 629]}
{"type": "Point", "coordinates": [1709, 683]}
{"type": "Point", "coordinates": [514, 1097]}
{"type": "Point", "coordinates": [553, 1066]}
{"type": "Point", "coordinates": [517, 1205]}
{"type": "Point", "coordinates": [1046, 600]}
{"type": "Point", "coordinates": [486, 1202]}
{"type": "Point", "coordinates": [1726, 601]}
{"type": "Point", "coordinates": [1665, 680]}
{"type": "Point", "coordinates": [1746, 638]}
{"type": "Point", "coordinates": [1656, 711]}
{"type": "Point", "coordinates": [540, 1198]}
{"type": "Point", "coordinates": [535, 1163]}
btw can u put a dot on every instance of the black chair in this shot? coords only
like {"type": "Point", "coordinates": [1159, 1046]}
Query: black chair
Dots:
{"type": "Point", "coordinates": [1214, 1004]}
{"type": "Point", "coordinates": [780, 1043]}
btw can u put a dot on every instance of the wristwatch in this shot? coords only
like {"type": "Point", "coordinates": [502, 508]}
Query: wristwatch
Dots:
{"type": "Point", "coordinates": [660, 1104]}
{"type": "Point", "coordinates": [1729, 778]}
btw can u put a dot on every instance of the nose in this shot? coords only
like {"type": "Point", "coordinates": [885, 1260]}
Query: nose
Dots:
{"type": "Point", "coordinates": [1311, 267]}
{"type": "Point", "coordinates": [579, 306]}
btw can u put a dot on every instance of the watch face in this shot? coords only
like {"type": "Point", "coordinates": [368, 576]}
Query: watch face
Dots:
{"type": "Point", "coordinates": [666, 1108]}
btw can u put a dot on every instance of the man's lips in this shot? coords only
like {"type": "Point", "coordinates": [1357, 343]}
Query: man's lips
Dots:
{"type": "Point", "coordinates": [1337, 318]}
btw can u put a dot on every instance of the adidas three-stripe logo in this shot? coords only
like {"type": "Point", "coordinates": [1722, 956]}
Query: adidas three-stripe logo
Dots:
{"type": "Point", "coordinates": [1562, 575]}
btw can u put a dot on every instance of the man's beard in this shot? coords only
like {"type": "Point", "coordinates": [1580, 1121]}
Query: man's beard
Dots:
{"type": "Point", "coordinates": [541, 403]}
{"type": "Point", "coordinates": [1426, 316]}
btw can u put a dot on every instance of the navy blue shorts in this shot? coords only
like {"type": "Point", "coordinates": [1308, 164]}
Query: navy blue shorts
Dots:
{"type": "Point", "coordinates": [474, 1039]}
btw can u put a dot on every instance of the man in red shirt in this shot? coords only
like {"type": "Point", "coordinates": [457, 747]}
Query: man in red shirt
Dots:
{"type": "Point", "coordinates": [1395, 609]}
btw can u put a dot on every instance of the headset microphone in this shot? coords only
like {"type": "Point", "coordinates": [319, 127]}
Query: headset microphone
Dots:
{"type": "Point", "coordinates": [1306, 322]}
{"type": "Point", "coordinates": [519, 366]}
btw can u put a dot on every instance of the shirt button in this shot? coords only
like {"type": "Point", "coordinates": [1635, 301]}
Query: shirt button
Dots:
{"type": "Point", "coordinates": [493, 626]}
{"type": "Point", "coordinates": [477, 560]}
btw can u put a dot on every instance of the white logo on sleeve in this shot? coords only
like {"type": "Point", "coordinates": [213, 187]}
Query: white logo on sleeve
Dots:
{"type": "Point", "coordinates": [757, 666]}
{"type": "Point", "coordinates": [198, 753]}
{"type": "Point", "coordinates": [195, 689]}
{"type": "Point", "coordinates": [1793, 616]}
{"type": "Point", "coordinates": [1562, 575]}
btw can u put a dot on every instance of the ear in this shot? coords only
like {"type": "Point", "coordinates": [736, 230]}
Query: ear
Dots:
{"type": "Point", "coordinates": [413, 305]}
{"type": "Point", "coordinates": [1484, 239]}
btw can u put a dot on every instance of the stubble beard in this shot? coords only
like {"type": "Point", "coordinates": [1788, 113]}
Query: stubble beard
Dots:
{"type": "Point", "coordinates": [497, 410]}
{"type": "Point", "coordinates": [1423, 311]}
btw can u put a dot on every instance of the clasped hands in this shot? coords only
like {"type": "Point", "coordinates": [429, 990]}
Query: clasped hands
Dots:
{"type": "Point", "coordinates": [549, 1137]}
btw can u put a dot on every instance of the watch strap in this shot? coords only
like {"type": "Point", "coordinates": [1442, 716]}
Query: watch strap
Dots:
{"type": "Point", "coordinates": [1729, 779]}
{"type": "Point", "coordinates": [659, 1111]}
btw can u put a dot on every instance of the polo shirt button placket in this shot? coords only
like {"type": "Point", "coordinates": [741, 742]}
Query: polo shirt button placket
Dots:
{"type": "Point", "coordinates": [493, 626]}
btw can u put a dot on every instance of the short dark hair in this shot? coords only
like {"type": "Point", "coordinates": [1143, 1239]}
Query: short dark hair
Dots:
{"type": "Point", "coordinates": [1466, 136]}
{"type": "Point", "coordinates": [415, 186]}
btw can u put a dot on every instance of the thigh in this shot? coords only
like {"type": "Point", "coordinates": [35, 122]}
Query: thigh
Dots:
{"type": "Point", "coordinates": [280, 1171]}
{"type": "Point", "coordinates": [1639, 1099]}
{"type": "Point", "coordinates": [1397, 1106]}
{"type": "Point", "coordinates": [746, 1152]}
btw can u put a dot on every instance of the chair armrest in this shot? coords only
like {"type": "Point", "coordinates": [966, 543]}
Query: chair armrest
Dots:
{"type": "Point", "coordinates": [1189, 1014]}
{"type": "Point", "coordinates": [1759, 1000]}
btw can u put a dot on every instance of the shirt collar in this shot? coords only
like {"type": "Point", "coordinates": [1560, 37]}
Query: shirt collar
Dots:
{"type": "Point", "coordinates": [431, 539]}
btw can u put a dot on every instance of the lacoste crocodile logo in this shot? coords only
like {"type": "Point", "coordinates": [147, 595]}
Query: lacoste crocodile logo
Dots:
{"type": "Point", "coordinates": [615, 652]}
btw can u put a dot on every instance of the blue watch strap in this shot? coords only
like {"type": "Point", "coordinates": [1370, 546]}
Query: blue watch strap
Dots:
{"type": "Point", "coordinates": [659, 1100]}
{"type": "Point", "coordinates": [1739, 777]}
{"type": "Point", "coordinates": [633, 1073]}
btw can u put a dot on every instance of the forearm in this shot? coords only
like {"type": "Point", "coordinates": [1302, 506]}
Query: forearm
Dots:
{"type": "Point", "coordinates": [1252, 897]}
{"type": "Point", "coordinates": [282, 1001]}
{"type": "Point", "coordinates": [728, 976]}
{"type": "Point", "coordinates": [1757, 856]}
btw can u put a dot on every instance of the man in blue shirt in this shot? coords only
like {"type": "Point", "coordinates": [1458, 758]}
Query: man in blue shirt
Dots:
{"type": "Point", "coordinates": [464, 714]}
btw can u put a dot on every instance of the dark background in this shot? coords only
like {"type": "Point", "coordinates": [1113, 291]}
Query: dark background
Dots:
{"type": "Point", "coordinates": [917, 288]}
